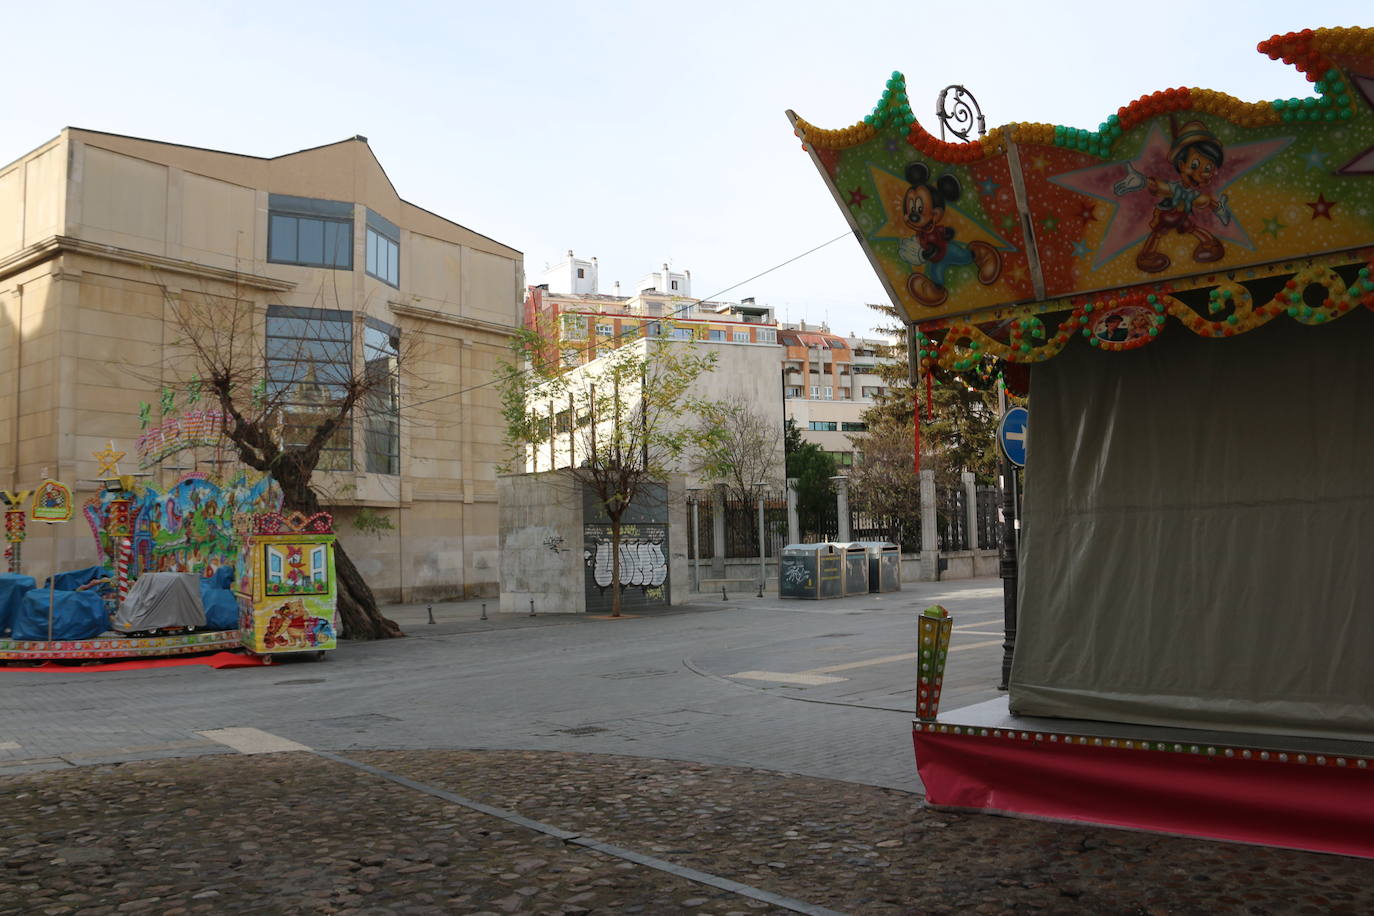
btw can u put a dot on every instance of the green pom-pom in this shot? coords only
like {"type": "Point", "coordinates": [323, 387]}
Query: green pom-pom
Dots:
{"type": "Point", "coordinates": [1154, 332]}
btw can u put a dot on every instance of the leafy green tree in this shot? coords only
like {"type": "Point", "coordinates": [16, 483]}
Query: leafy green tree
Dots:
{"type": "Point", "coordinates": [960, 433]}
{"type": "Point", "coordinates": [812, 467]}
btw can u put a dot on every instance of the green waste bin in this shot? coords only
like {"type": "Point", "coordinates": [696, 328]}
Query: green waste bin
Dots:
{"type": "Point", "coordinates": [810, 571]}
{"type": "Point", "coordinates": [853, 568]}
{"type": "Point", "coordinates": [884, 566]}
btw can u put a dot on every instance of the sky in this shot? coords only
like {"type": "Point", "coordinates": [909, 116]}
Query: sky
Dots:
{"type": "Point", "coordinates": [639, 133]}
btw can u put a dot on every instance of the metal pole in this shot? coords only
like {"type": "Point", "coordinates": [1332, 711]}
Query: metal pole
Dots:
{"type": "Point", "coordinates": [1007, 566]}
{"type": "Point", "coordinates": [696, 543]}
{"type": "Point", "coordinates": [763, 570]}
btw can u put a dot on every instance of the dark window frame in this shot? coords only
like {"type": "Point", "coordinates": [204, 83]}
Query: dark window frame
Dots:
{"type": "Point", "coordinates": [384, 231]}
{"type": "Point", "coordinates": [382, 406]}
{"type": "Point", "coordinates": [315, 329]}
{"type": "Point", "coordinates": [305, 211]}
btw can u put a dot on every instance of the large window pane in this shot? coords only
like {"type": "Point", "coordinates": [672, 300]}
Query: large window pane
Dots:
{"type": "Point", "coordinates": [371, 252]}
{"type": "Point", "coordinates": [381, 430]}
{"type": "Point", "coordinates": [309, 358]}
{"type": "Point", "coordinates": [283, 238]}
{"type": "Point", "coordinates": [338, 244]}
{"type": "Point", "coordinates": [310, 241]}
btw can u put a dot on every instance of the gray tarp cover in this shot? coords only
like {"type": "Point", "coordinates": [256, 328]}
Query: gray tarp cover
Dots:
{"type": "Point", "coordinates": [1196, 547]}
{"type": "Point", "coordinates": [162, 599]}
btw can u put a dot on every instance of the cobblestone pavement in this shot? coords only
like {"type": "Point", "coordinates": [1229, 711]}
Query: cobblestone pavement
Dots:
{"type": "Point", "coordinates": [298, 833]}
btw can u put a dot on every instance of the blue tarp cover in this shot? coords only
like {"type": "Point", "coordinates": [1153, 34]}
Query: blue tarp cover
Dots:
{"type": "Point", "coordinates": [73, 579]}
{"type": "Point", "coordinates": [221, 605]}
{"type": "Point", "coordinates": [75, 615]}
{"type": "Point", "coordinates": [12, 590]}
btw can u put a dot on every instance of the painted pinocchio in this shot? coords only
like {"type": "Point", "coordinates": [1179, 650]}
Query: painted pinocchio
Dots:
{"type": "Point", "coordinates": [1196, 156]}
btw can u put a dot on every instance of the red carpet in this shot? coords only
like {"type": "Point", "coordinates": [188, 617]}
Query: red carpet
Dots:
{"type": "Point", "coordinates": [218, 660]}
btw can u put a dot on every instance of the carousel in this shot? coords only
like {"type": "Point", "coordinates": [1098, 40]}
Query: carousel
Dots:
{"type": "Point", "coordinates": [206, 564]}
{"type": "Point", "coordinates": [1184, 296]}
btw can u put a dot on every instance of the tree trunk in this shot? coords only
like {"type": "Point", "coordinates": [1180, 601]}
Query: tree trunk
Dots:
{"type": "Point", "coordinates": [615, 565]}
{"type": "Point", "coordinates": [362, 619]}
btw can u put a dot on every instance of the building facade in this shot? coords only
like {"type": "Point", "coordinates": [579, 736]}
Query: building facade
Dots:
{"type": "Point", "coordinates": [822, 381]}
{"type": "Point", "coordinates": [829, 382]}
{"type": "Point", "coordinates": [103, 236]}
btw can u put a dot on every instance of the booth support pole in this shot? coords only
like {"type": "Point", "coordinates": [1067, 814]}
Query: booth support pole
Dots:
{"type": "Point", "coordinates": [1007, 566]}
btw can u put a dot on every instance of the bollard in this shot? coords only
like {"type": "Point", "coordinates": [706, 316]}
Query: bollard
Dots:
{"type": "Point", "coordinates": [760, 589]}
{"type": "Point", "coordinates": [531, 607]}
{"type": "Point", "coordinates": [484, 610]}
{"type": "Point", "coordinates": [723, 596]}
{"type": "Point", "coordinates": [430, 608]}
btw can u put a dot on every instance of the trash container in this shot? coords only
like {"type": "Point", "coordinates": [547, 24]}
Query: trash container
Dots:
{"type": "Point", "coordinates": [884, 566]}
{"type": "Point", "coordinates": [810, 571]}
{"type": "Point", "coordinates": [853, 568]}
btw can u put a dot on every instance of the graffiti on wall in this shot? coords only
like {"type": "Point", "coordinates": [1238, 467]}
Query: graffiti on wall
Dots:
{"type": "Point", "coordinates": [643, 565]}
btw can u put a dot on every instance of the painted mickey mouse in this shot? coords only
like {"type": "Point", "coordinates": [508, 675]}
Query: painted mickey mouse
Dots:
{"type": "Point", "coordinates": [933, 246]}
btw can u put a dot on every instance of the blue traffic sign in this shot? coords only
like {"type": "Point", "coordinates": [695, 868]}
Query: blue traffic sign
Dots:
{"type": "Point", "coordinates": [1012, 434]}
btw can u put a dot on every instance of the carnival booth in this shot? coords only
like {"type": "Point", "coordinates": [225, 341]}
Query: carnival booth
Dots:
{"type": "Point", "coordinates": [287, 597]}
{"type": "Point", "coordinates": [206, 564]}
{"type": "Point", "coordinates": [1190, 288]}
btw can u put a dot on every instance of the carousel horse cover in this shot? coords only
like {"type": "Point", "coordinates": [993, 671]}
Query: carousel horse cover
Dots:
{"type": "Point", "coordinates": [160, 600]}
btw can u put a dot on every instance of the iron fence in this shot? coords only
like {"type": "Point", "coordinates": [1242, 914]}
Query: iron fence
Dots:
{"type": "Point", "coordinates": [740, 528]}
{"type": "Point", "coordinates": [989, 528]}
{"type": "Point", "coordinates": [741, 524]}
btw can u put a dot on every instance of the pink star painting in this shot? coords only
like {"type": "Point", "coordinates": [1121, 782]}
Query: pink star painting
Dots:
{"type": "Point", "coordinates": [1149, 196]}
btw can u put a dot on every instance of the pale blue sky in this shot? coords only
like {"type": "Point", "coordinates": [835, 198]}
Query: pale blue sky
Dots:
{"type": "Point", "coordinates": [636, 132]}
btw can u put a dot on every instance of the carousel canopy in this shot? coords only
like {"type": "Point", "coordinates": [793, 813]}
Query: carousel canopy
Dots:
{"type": "Point", "coordinates": [1186, 203]}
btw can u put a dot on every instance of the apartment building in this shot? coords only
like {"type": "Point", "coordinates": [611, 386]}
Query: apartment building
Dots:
{"type": "Point", "coordinates": [828, 383]}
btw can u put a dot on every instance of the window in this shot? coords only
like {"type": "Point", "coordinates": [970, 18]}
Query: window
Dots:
{"type": "Point", "coordinates": [815, 391]}
{"type": "Point", "coordinates": [767, 335]}
{"type": "Point", "coordinates": [821, 426]}
{"type": "Point", "coordinates": [792, 392]}
{"type": "Point", "coordinates": [842, 459]}
{"type": "Point", "coordinates": [309, 232]}
{"type": "Point", "coordinates": [741, 337]}
{"type": "Point", "coordinates": [682, 334]}
{"type": "Point", "coordinates": [382, 405]}
{"type": "Point", "coordinates": [829, 393]}
{"type": "Point", "coordinates": [575, 327]}
{"type": "Point", "coordinates": [715, 335]}
{"type": "Point", "coordinates": [581, 273]}
{"type": "Point", "coordinates": [653, 329]}
{"type": "Point", "coordinates": [854, 427]}
{"type": "Point", "coordinates": [844, 394]}
{"type": "Point", "coordinates": [309, 360]}
{"type": "Point", "coordinates": [605, 330]}
{"type": "Point", "coordinates": [569, 359]}
{"type": "Point", "coordinates": [869, 391]}
{"type": "Point", "coordinates": [383, 250]}
{"type": "Point", "coordinates": [674, 284]}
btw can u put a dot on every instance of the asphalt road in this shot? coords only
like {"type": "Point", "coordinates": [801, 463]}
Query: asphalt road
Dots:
{"type": "Point", "coordinates": [818, 688]}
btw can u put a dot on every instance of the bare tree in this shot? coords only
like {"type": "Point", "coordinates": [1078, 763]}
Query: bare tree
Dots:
{"type": "Point", "coordinates": [623, 421]}
{"type": "Point", "coordinates": [740, 446]}
{"type": "Point", "coordinates": [290, 388]}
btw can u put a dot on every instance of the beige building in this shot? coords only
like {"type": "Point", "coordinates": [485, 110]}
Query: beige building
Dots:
{"type": "Point", "coordinates": [101, 235]}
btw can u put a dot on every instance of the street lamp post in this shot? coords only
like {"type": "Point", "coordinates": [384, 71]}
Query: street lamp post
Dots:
{"type": "Point", "coordinates": [763, 573]}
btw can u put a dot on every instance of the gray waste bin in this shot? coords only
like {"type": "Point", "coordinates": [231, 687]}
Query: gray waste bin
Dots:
{"type": "Point", "coordinates": [809, 571]}
{"type": "Point", "coordinates": [853, 568]}
{"type": "Point", "coordinates": [884, 566]}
